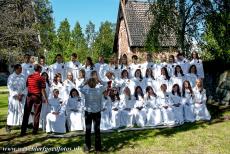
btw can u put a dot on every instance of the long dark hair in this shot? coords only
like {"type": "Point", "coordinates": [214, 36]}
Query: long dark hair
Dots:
{"type": "Point", "coordinates": [181, 71]}
{"type": "Point", "coordinates": [90, 62]}
{"type": "Point", "coordinates": [140, 73]}
{"type": "Point", "coordinates": [114, 96]}
{"type": "Point", "coordinates": [47, 79]}
{"type": "Point", "coordinates": [71, 92]}
{"type": "Point", "coordinates": [190, 68]}
{"type": "Point", "coordinates": [178, 89]}
{"type": "Point", "coordinates": [136, 94]}
{"type": "Point", "coordinates": [148, 88]}
{"type": "Point", "coordinates": [151, 75]}
{"type": "Point", "coordinates": [166, 72]}
{"type": "Point", "coordinates": [123, 73]}
{"type": "Point", "coordinates": [189, 87]}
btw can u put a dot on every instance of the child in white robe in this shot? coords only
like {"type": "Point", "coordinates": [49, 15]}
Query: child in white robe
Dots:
{"type": "Point", "coordinates": [116, 105]}
{"type": "Point", "coordinates": [178, 77]}
{"type": "Point", "coordinates": [137, 79]}
{"type": "Point", "coordinates": [166, 106]}
{"type": "Point", "coordinates": [153, 111]}
{"type": "Point", "coordinates": [139, 110]}
{"type": "Point", "coordinates": [199, 64]}
{"type": "Point", "coordinates": [44, 110]}
{"type": "Point", "coordinates": [125, 81]}
{"type": "Point", "coordinates": [187, 101]}
{"type": "Point", "coordinates": [192, 75]}
{"type": "Point", "coordinates": [57, 84]}
{"type": "Point", "coordinates": [149, 80]}
{"type": "Point", "coordinates": [58, 67]}
{"type": "Point", "coordinates": [106, 112]}
{"type": "Point", "coordinates": [164, 78]}
{"type": "Point", "coordinates": [73, 66]}
{"type": "Point", "coordinates": [148, 64]}
{"type": "Point", "coordinates": [200, 109]}
{"type": "Point", "coordinates": [177, 106]}
{"type": "Point", "coordinates": [127, 105]}
{"type": "Point", "coordinates": [134, 66]}
{"type": "Point", "coordinates": [74, 110]}
{"type": "Point", "coordinates": [68, 85]}
{"type": "Point", "coordinates": [56, 119]}
{"type": "Point", "coordinates": [17, 95]}
{"type": "Point", "coordinates": [89, 67]}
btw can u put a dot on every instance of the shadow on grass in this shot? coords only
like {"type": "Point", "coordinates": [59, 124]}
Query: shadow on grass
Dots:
{"type": "Point", "coordinates": [116, 141]}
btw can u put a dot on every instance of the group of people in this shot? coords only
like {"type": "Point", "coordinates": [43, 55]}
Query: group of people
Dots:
{"type": "Point", "coordinates": [169, 92]}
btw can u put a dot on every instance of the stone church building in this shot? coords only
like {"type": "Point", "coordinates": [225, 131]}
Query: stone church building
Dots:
{"type": "Point", "coordinates": [133, 23]}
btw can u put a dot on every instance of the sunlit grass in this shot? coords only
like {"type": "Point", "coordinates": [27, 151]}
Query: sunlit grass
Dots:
{"type": "Point", "coordinates": [199, 137]}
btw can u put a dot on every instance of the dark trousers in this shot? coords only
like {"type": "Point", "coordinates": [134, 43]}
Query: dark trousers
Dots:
{"type": "Point", "coordinates": [36, 101]}
{"type": "Point", "coordinates": [96, 118]}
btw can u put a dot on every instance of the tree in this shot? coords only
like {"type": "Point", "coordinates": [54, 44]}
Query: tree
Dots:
{"type": "Point", "coordinates": [45, 24]}
{"type": "Point", "coordinates": [185, 18]}
{"type": "Point", "coordinates": [104, 41]}
{"type": "Point", "coordinates": [64, 39]}
{"type": "Point", "coordinates": [18, 33]}
{"type": "Point", "coordinates": [90, 35]}
{"type": "Point", "coordinates": [79, 42]}
{"type": "Point", "coordinates": [217, 34]}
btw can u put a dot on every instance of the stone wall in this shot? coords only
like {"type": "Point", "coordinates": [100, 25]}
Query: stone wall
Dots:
{"type": "Point", "coordinates": [217, 81]}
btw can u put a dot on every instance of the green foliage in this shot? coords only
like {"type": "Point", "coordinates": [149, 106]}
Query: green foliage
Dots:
{"type": "Point", "coordinates": [216, 36]}
{"type": "Point", "coordinates": [104, 41]}
{"type": "Point", "coordinates": [79, 42]}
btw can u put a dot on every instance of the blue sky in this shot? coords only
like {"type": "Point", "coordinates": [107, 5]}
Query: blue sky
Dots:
{"type": "Point", "coordinates": [85, 10]}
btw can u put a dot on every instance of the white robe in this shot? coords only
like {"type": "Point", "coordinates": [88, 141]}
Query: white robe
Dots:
{"type": "Point", "coordinates": [149, 82]}
{"type": "Point", "coordinates": [56, 123]}
{"type": "Point", "coordinates": [88, 71]}
{"type": "Point", "coordinates": [177, 108]}
{"type": "Point", "coordinates": [115, 70]}
{"type": "Point", "coordinates": [27, 69]}
{"type": "Point", "coordinates": [57, 68]}
{"type": "Point", "coordinates": [45, 68]}
{"type": "Point", "coordinates": [192, 79]}
{"type": "Point", "coordinates": [133, 68]}
{"type": "Point", "coordinates": [127, 105]}
{"type": "Point", "coordinates": [179, 79]}
{"type": "Point", "coordinates": [73, 67]}
{"type": "Point", "coordinates": [184, 64]}
{"type": "Point", "coordinates": [140, 116]}
{"type": "Point", "coordinates": [101, 69]}
{"type": "Point", "coordinates": [146, 65]}
{"type": "Point", "coordinates": [188, 105]}
{"type": "Point", "coordinates": [200, 109]}
{"type": "Point", "coordinates": [75, 113]}
{"type": "Point", "coordinates": [199, 67]}
{"type": "Point", "coordinates": [44, 110]}
{"type": "Point", "coordinates": [116, 115]}
{"type": "Point", "coordinates": [153, 111]}
{"type": "Point", "coordinates": [68, 85]}
{"type": "Point", "coordinates": [16, 85]}
{"type": "Point", "coordinates": [171, 68]}
{"type": "Point", "coordinates": [58, 86]}
{"type": "Point", "coordinates": [166, 108]}
{"type": "Point", "coordinates": [106, 113]}
{"type": "Point", "coordinates": [127, 83]}
{"type": "Point", "coordinates": [162, 80]}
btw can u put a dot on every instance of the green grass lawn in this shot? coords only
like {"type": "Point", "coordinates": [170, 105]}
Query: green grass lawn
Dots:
{"type": "Point", "coordinates": [199, 137]}
{"type": "Point", "coordinates": [3, 87]}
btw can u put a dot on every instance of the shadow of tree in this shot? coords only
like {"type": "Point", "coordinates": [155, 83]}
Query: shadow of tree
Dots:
{"type": "Point", "coordinates": [116, 141]}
